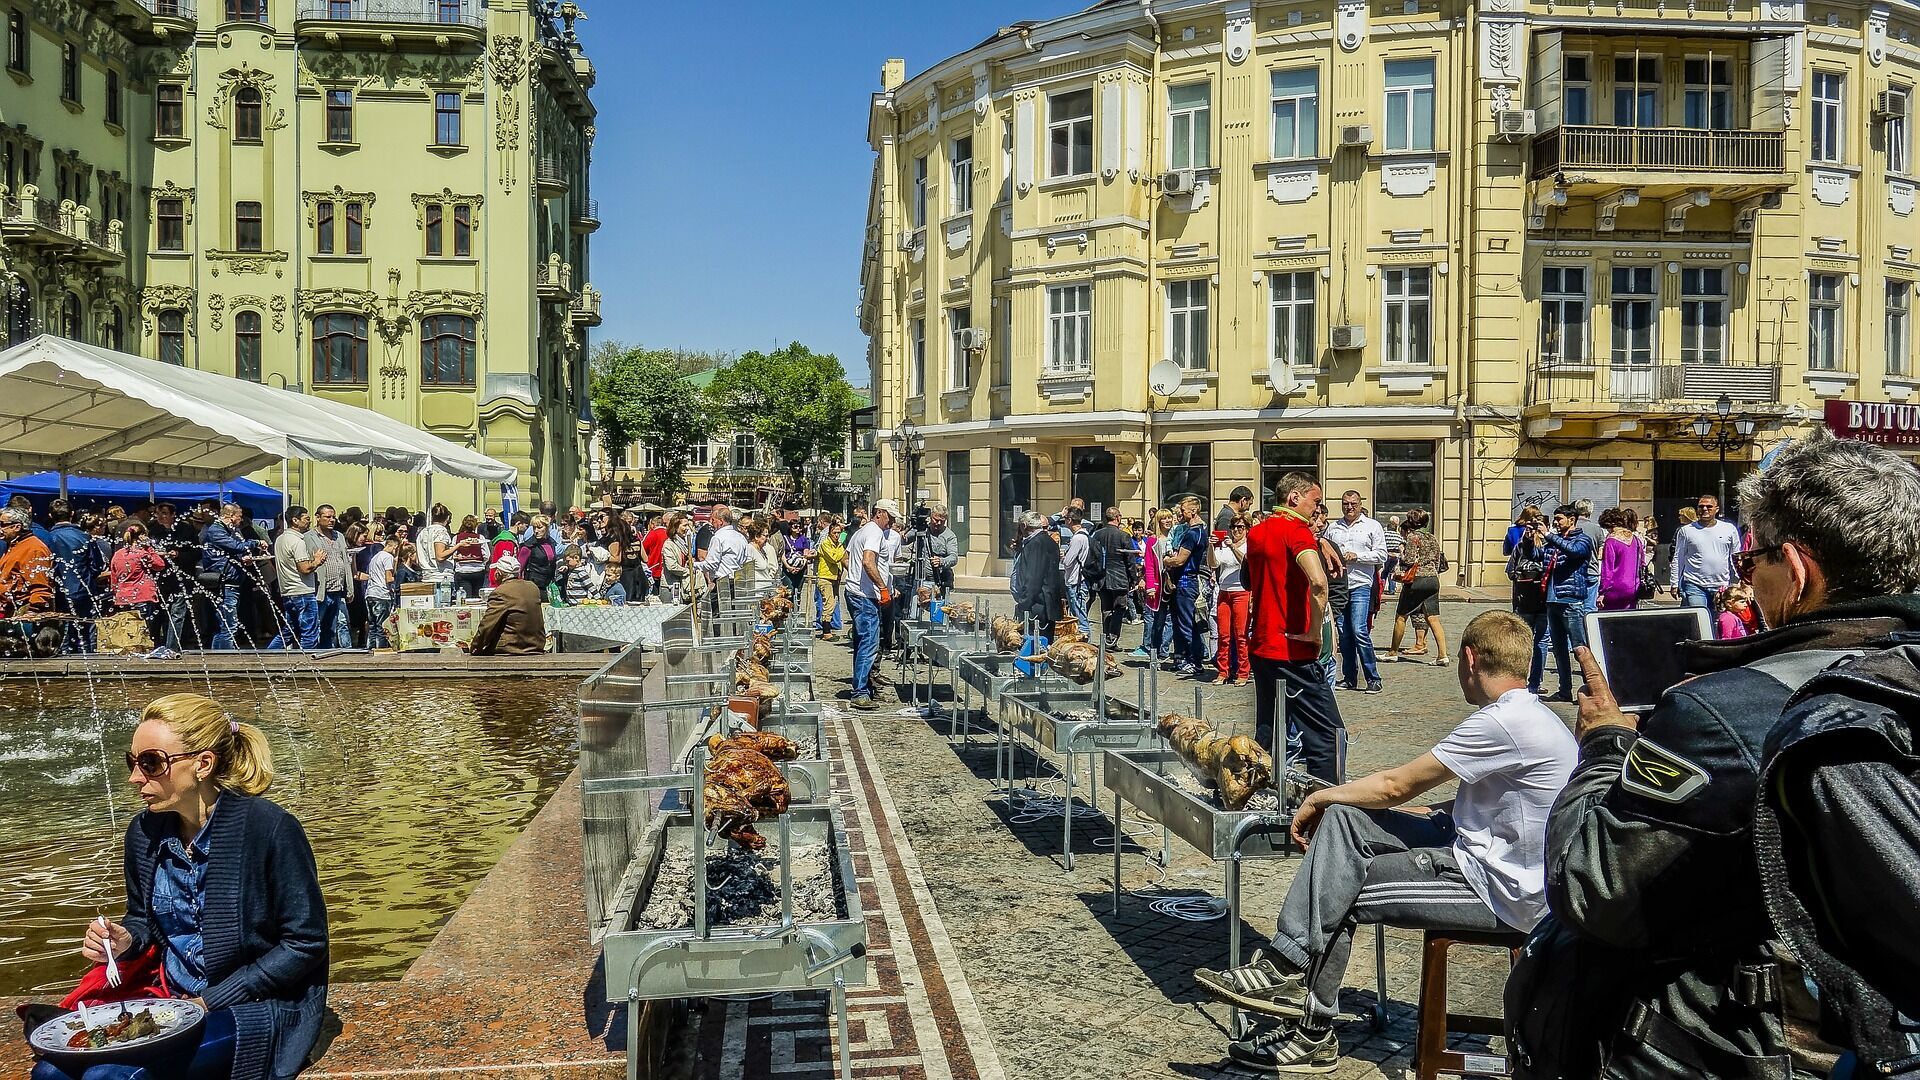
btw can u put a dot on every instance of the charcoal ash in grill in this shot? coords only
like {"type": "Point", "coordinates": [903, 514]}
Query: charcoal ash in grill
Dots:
{"type": "Point", "coordinates": [743, 887]}
{"type": "Point", "coordinates": [1266, 800]}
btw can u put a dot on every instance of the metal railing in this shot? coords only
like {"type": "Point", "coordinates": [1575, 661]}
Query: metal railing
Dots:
{"type": "Point", "coordinates": [169, 9]}
{"type": "Point", "coordinates": [551, 171]}
{"type": "Point", "coordinates": [1659, 150]}
{"type": "Point", "coordinates": [431, 12]}
{"type": "Point", "coordinates": [1651, 385]}
{"type": "Point", "coordinates": [554, 275]}
{"type": "Point", "coordinates": [586, 210]}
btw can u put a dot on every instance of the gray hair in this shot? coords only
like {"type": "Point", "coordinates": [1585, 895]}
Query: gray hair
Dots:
{"type": "Point", "coordinates": [1850, 505]}
{"type": "Point", "coordinates": [1034, 519]}
{"type": "Point", "coordinates": [935, 507]}
{"type": "Point", "coordinates": [1583, 507]}
{"type": "Point", "coordinates": [13, 515]}
{"type": "Point", "coordinates": [232, 508]}
{"type": "Point", "coordinates": [722, 515]}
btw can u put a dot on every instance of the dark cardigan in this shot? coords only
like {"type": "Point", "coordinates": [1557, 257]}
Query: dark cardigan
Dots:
{"type": "Point", "coordinates": [265, 928]}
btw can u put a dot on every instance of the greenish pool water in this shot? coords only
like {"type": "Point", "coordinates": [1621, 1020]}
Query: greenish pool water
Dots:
{"type": "Point", "coordinates": [409, 790]}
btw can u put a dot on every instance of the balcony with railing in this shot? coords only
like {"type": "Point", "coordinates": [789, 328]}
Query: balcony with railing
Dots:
{"type": "Point", "coordinates": [1663, 386]}
{"type": "Point", "coordinates": [1649, 158]}
{"type": "Point", "coordinates": [410, 17]}
{"type": "Point", "coordinates": [586, 215]}
{"type": "Point", "coordinates": [550, 174]}
{"type": "Point", "coordinates": [553, 279]}
{"type": "Point", "coordinates": [181, 10]}
{"type": "Point", "coordinates": [586, 306]}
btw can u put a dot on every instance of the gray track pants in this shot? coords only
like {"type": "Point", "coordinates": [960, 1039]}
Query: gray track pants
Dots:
{"type": "Point", "coordinates": [1371, 866]}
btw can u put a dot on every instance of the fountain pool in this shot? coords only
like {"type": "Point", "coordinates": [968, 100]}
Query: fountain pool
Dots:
{"type": "Point", "coordinates": [409, 791]}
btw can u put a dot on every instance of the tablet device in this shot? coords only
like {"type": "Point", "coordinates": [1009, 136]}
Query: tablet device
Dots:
{"type": "Point", "coordinates": [1640, 651]}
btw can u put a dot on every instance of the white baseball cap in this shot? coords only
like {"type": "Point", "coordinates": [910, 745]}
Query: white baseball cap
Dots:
{"type": "Point", "coordinates": [887, 505]}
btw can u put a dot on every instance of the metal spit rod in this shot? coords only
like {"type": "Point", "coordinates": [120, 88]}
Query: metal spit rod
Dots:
{"type": "Point", "coordinates": [700, 928]}
{"type": "Point", "coordinates": [786, 858]}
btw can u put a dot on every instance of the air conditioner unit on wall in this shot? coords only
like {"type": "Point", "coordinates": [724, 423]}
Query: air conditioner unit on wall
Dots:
{"type": "Point", "coordinates": [1892, 104]}
{"type": "Point", "coordinates": [1513, 123]}
{"type": "Point", "coordinates": [907, 241]}
{"type": "Point", "coordinates": [1360, 135]}
{"type": "Point", "coordinates": [973, 339]}
{"type": "Point", "coordinates": [1177, 182]}
{"type": "Point", "coordinates": [1348, 338]}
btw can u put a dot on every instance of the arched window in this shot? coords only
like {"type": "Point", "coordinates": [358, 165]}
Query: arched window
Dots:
{"type": "Point", "coordinates": [340, 349]}
{"type": "Point", "coordinates": [113, 332]}
{"type": "Point", "coordinates": [246, 114]}
{"type": "Point", "coordinates": [173, 337]}
{"type": "Point", "coordinates": [71, 326]}
{"type": "Point", "coordinates": [19, 314]}
{"type": "Point", "coordinates": [446, 350]}
{"type": "Point", "coordinates": [246, 345]}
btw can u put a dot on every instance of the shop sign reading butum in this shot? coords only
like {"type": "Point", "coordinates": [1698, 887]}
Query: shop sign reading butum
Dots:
{"type": "Point", "coordinates": [1880, 422]}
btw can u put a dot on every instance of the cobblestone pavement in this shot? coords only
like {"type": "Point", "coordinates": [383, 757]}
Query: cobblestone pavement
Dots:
{"type": "Point", "coordinates": [1068, 989]}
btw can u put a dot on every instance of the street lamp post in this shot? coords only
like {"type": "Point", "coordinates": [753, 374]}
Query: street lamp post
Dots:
{"type": "Point", "coordinates": [908, 444]}
{"type": "Point", "coordinates": [1722, 431]}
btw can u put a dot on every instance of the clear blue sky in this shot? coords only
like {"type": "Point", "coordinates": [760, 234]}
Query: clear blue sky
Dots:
{"type": "Point", "coordinates": [731, 160]}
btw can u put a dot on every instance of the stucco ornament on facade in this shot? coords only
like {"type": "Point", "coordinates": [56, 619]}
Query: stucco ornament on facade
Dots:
{"type": "Point", "coordinates": [157, 298]}
{"type": "Point", "coordinates": [231, 82]}
{"type": "Point", "coordinates": [1239, 36]}
{"type": "Point", "coordinates": [1350, 24]}
{"type": "Point", "coordinates": [338, 195]}
{"type": "Point", "coordinates": [253, 303]}
{"type": "Point", "coordinates": [1877, 17]}
{"type": "Point", "coordinates": [509, 69]}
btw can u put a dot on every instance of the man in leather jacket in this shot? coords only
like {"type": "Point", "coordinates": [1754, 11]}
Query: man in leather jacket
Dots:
{"type": "Point", "coordinates": [1657, 960]}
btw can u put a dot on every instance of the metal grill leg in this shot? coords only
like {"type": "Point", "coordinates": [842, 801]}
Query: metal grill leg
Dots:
{"type": "Point", "coordinates": [1379, 975]}
{"type": "Point", "coordinates": [845, 1054]}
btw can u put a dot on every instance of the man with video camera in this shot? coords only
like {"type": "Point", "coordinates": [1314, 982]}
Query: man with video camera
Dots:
{"type": "Point", "coordinates": [1657, 959]}
{"type": "Point", "coordinates": [934, 548]}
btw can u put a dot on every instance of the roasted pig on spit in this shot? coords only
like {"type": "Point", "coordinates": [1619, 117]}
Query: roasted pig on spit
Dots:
{"type": "Point", "coordinates": [775, 609]}
{"type": "Point", "coordinates": [747, 672]}
{"type": "Point", "coordinates": [1006, 634]}
{"type": "Point", "coordinates": [775, 747]}
{"type": "Point", "coordinates": [760, 650]}
{"type": "Point", "coordinates": [742, 786]}
{"type": "Point", "coordinates": [961, 612]}
{"type": "Point", "coordinates": [1237, 765]}
{"type": "Point", "coordinates": [1079, 661]}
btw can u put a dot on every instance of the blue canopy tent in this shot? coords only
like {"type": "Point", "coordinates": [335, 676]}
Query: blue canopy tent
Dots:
{"type": "Point", "coordinates": [259, 500]}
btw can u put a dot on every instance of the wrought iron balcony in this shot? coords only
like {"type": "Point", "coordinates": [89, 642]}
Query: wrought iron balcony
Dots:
{"type": "Point", "coordinates": [586, 215]}
{"type": "Point", "coordinates": [586, 307]}
{"type": "Point", "coordinates": [170, 9]}
{"type": "Point", "coordinates": [467, 13]}
{"type": "Point", "coordinates": [550, 174]}
{"type": "Point", "coordinates": [1656, 387]}
{"type": "Point", "coordinates": [1650, 150]}
{"type": "Point", "coordinates": [553, 279]}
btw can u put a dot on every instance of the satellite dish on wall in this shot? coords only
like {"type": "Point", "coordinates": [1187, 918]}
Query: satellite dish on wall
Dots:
{"type": "Point", "coordinates": [1164, 378]}
{"type": "Point", "coordinates": [1280, 374]}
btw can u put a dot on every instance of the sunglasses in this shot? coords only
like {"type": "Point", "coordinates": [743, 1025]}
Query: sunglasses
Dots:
{"type": "Point", "coordinates": [1704, 507]}
{"type": "Point", "coordinates": [1743, 561]}
{"type": "Point", "coordinates": [154, 764]}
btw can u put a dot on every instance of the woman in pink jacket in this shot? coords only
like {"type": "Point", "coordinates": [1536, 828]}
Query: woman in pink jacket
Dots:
{"type": "Point", "coordinates": [1622, 555]}
{"type": "Point", "coordinates": [1157, 642]}
{"type": "Point", "coordinates": [133, 572]}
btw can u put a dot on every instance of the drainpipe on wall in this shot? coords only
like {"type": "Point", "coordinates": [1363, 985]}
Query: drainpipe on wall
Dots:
{"type": "Point", "coordinates": [1462, 372]}
{"type": "Point", "coordinates": [1149, 474]}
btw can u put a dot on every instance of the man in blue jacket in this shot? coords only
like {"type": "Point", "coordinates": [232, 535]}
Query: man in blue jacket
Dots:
{"type": "Point", "coordinates": [76, 569]}
{"type": "Point", "coordinates": [225, 548]}
{"type": "Point", "coordinates": [1569, 557]}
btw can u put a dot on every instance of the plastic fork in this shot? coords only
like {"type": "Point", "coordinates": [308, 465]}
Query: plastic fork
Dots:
{"type": "Point", "coordinates": [113, 966]}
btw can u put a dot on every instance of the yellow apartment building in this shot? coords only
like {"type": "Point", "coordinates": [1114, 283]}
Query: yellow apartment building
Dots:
{"type": "Point", "coordinates": [1455, 254]}
{"type": "Point", "coordinates": [382, 202]}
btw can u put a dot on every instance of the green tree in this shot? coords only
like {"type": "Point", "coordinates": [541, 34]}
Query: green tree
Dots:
{"type": "Point", "coordinates": [796, 401]}
{"type": "Point", "coordinates": [642, 396]}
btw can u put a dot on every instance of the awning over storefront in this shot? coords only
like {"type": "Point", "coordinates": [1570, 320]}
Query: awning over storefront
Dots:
{"type": "Point", "coordinates": [77, 408]}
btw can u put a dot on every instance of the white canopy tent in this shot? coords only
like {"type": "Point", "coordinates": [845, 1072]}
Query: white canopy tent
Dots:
{"type": "Point", "coordinates": [78, 408]}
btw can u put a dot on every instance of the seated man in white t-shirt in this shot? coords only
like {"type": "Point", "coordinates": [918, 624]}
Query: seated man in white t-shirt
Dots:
{"type": "Point", "coordinates": [1478, 864]}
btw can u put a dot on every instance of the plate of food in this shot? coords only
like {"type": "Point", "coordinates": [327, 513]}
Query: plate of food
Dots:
{"type": "Point", "coordinates": [121, 1032]}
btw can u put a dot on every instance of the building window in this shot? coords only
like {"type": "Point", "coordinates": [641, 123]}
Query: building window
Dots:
{"type": "Point", "coordinates": [701, 456]}
{"type": "Point", "coordinates": [1291, 304]}
{"type": "Point", "coordinates": [71, 326]}
{"type": "Point", "coordinates": [462, 231]}
{"type": "Point", "coordinates": [246, 10]}
{"type": "Point", "coordinates": [356, 229]}
{"type": "Point", "coordinates": [340, 349]}
{"type": "Point", "coordinates": [1016, 497]}
{"type": "Point", "coordinates": [1824, 325]}
{"type": "Point", "coordinates": [1576, 90]}
{"type": "Point", "coordinates": [436, 230]}
{"type": "Point", "coordinates": [446, 119]}
{"type": "Point", "coordinates": [1410, 105]}
{"type": "Point", "coordinates": [323, 228]}
{"type": "Point", "coordinates": [246, 226]}
{"type": "Point", "coordinates": [1186, 469]}
{"type": "Point", "coordinates": [1829, 115]}
{"type": "Point", "coordinates": [1277, 459]}
{"type": "Point", "coordinates": [1709, 92]}
{"type": "Point", "coordinates": [1069, 328]}
{"type": "Point", "coordinates": [1409, 309]}
{"type": "Point", "coordinates": [962, 175]}
{"type": "Point", "coordinates": [447, 350]}
{"type": "Point", "coordinates": [169, 111]}
{"type": "Point", "coordinates": [113, 97]}
{"type": "Point", "coordinates": [1402, 477]}
{"type": "Point", "coordinates": [918, 210]}
{"type": "Point", "coordinates": [1296, 113]}
{"type": "Point", "coordinates": [173, 337]}
{"type": "Point", "coordinates": [1563, 315]}
{"type": "Point", "coordinates": [1187, 323]}
{"type": "Point", "coordinates": [1636, 91]}
{"type": "Point", "coordinates": [1003, 343]}
{"type": "Point", "coordinates": [746, 453]}
{"type": "Point", "coordinates": [113, 334]}
{"type": "Point", "coordinates": [1899, 327]}
{"type": "Point", "coordinates": [18, 57]}
{"type": "Point", "coordinates": [246, 114]}
{"type": "Point", "coordinates": [246, 346]}
{"type": "Point", "coordinates": [449, 11]}
{"type": "Point", "coordinates": [339, 116]}
{"type": "Point", "coordinates": [170, 225]}
{"type": "Point", "coordinates": [1635, 303]}
{"type": "Point", "coordinates": [1703, 315]}
{"type": "Point", "coordinates": [70, 72]}
{"type": "Point", "coordinates": [917, 358]}
{"type": "Point", "coordinates": [959, 320]}
{"type": "Point", "coordinates": [1189, 126]}
{"type": "Point", "coordinates": [1070, 133]}
{"type": "Point", "coordinates": [1899, 143]}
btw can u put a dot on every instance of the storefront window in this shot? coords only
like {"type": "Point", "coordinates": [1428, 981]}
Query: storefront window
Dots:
{"type": "Point", "coordinates": [1277, 459]}
{"type": "Point", "coordinates": [1402, 477]}
{"type": "Point", "coordinates": [1016, 496]}
{"type": "Point", "coordinates": [1186, 469]}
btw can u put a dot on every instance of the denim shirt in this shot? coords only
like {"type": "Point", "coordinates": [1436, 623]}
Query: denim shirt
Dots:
{"type": "Point", "coordinates": [179, 899]}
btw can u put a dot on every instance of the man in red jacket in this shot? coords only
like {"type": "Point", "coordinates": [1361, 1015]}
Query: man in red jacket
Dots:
{"type": "Point", "coordinates": [651, 545]}
{"type": "Point", "coordinates": [1288, 581]}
